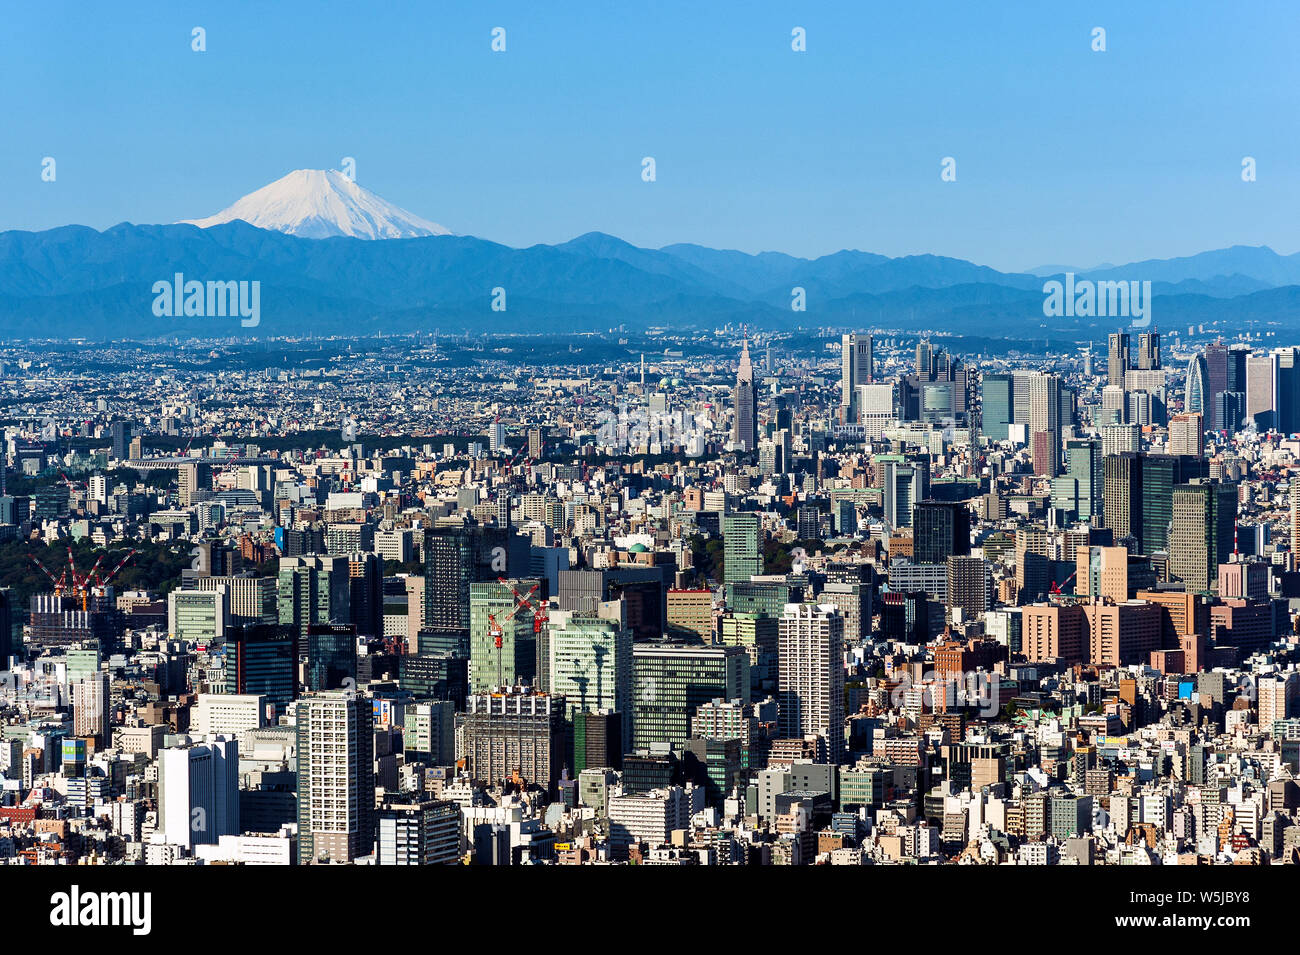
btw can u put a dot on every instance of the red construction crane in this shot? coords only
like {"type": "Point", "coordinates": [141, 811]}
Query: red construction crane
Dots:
{"type": "Point", "coordinates": [497, 632]}
{"type": "Point", "coordinates": [1056, 588]}
{"type": "Point", "coordinates": [524, 602]}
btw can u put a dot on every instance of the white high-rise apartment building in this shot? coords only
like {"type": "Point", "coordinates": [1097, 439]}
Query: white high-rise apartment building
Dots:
{"type": "Point", "coordinates": [810, 649]}
{"type": "Point", "coordinates": [198, 784]}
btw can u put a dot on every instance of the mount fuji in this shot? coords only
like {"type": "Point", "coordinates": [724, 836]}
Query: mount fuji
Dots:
{"type": "Point", "coordinates": [321, 204]}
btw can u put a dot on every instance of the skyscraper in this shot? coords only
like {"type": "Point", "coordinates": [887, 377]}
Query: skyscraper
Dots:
{"type": "Point", "coordinates": [744, 432]}
{"type": "Point", "coordinates": [1118, 358]}
{"type": "Point", "coordinates": [502, 641]}
{"type": "Point", "coordinates": [198, 789]}
{"type": "Point", "coordinates": [455, 557]}
{"type": "Point", "coordinates": [906, 482]}
{"type": "Point", "coordinates": [742, 539]}
{"type": "Point", "coordinates": [997, 405]}
{"type": "Point", "coordinates": [811, 673]}
{"type": "Point", "coordinates": [591, 667]}
{"type": "Point", "coordinates": [1148, 350]}
{"type": "Point", "coordinates": [856, 369]}
{"type": "Point", "coordinates": [1216, 370]}
{"type": "Point", "coordinates": [336, 780]}
{"type": "Point", "coordinates": [313, 589]}
{"type": "Point", "coordinates": [331, 656]}
{"type": "Point", "coordinates": [1201, 533]}
{"type": "Point", "coordinates": [671, 680]}
{"type": "Point", "coordinates": [1196, 397]}
{"type": "Point", "coordinates": [263, 659]}
{"type": "Point", "coordinates": [940, 529]}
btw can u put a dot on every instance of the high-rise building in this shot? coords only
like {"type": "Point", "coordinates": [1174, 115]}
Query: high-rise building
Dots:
{"type": "Point", "coordinates": [691, 612]}
{"type": "Point", "coordinates": [742, 538]}
{"type": "Point", "coordinates": [970, 586]}
{"type": "Point", "coordinates": [515, 733]}
{"type": "Point", "coordinates": [1122, 494]}
{"type": "Point", "coordinates": [1201, 534]}
{"type": "Point", "coordinates": [1260, 385]}
{"type": "Point", "coordinates": [1197, 397]}
{"type": "Point", "coordinates": [1045, 420]}
{"type": "Point", "coordinates": [940, 529]}
{"type": "Point", "coordinates": [1187, 434]}
{"type": "Point", "coordinates": [670, 680]}
{"type": "Point", "coordinates": [331, 656]}
{"type": "Point", "coordinates": [905, 483]}
{"type": "Point", "coordinates": [744, 432]}
{"type": "Point", "coordinates": [91, 706]}
{"type": "Point", "coordinates": [855, 369]}
{"type": "Point", "coordinates": [198, 791]}
{"type": "Point", "coordinates": [1078, 491]}
{"type": "Point", "coordinates": [591, 667]}
{"type": "Point", "coordinates": [336, 779]}
{"type": "Point", "coordinates": [1148, 357]}
{"type": "Point", "coordinates": [198, 616]}
{"type": "Point", "coordinates": [366, 593]}
{"type": "Point", "coordinates": [313, 589]}
{"type": "Point", "coordinates": [454, 558]}
{"type": "Point", "coordinates": [811, 695]}
{"type": "Point", "coordinates": [502, 638]}
{"type": "Point", "coordinates": [1118, 358]}
{"type": "Point", "coordinates": [262, 659]}
{"type": "Point", "coordinates": [997, 405]}
{"type": "Point", "coordinates": [1216, 371]}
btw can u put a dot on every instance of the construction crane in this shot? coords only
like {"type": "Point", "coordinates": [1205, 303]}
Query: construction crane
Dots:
{"type": "Point", "coordinates": [79, 586]}
{"type": "Point", "coordinates": [1056, 588]}
{"type": "Point", "coordinates": [497, 632]}
{"type": "Point", "coordinates": [524, 602]}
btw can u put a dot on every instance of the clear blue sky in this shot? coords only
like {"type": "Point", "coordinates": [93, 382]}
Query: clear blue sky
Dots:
{"type": "Point", "coordinates": [1063, 155]}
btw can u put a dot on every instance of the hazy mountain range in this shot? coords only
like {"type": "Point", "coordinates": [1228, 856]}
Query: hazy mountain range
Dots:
{"type": "Point", "coordinates": [320, 271]}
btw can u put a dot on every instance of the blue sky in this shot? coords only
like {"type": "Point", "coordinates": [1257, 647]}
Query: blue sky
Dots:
{"type": "Point", "coordinates": [1064, 155]}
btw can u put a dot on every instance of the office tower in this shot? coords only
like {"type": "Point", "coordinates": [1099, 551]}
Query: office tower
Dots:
{"type": "Point", "coordinates": [496, 436]}
{"type": "Point", "coordinates": [905, 483]}
{"type": "Point", "coordinates": [365, 593]}
{"type": "Point", "coordinates": [1078, 491]}
{"type": "Point", "coordinates": [1260, 383]}
{"type": "Point", "coordinates": [1148, 357]}
{"type": "Point", "coordinates": [811, 673]}
{"type": "Point", "coordinates": [925, 361]}
{"type": "Point", "coordinates": [1248, 579]}
{"type": "Point", "coordinates": [744, 432]}
{"type": "Point", "coordinates": [336, 778]}
{"type": "Point", "coordinates": [1197, 397]}
{"type": "Point", "coordinates": [591, 668]}
{"type": "Point", "coordinates": [671, 680]}
{"type": "Point", "coordinates": [1216, 378]}
{"type": "Point", "coordinates": [1118, 359]}
{"type": "Point", "coordinates": [855, 369]}
{"type": "Point", "coordinates": [1122, 494]}
{"type": "Point", "coordinates": [249, 599]}
{"type": "Point", "coordinates": [1118, 438]}
{"type": "Point", "coordinates": [997, 405]}
{"type": "Point", "coordinates": [940, 529]}
{"type": "Point", "coordinates": [198, 616]}
{"type": "Point", "coordinates": [198, 791]}
{"type": "Point", "coordinates": [598, 740]}
{"type": "Point", "coordinates": [1201, 535]}
{"type": "Point", "coordinates": [418, 832]}
{"type": "Point", "coordinates": [1044, 419]}
{"type": "Point", "coordinates": [331, 657]}
{"type": "Point", "coordinates": [193, 483]}
{"type": "Point", "coordinates": [434, 675]}
{"type": "Point", "coordinates": [502, 638]}
{"type": "Point", "coordinates": [536, 441]}
{"type": "Point", "coordinates": [1161, 473]}
{"type": "Point", "coordinates": [91, 707]}
{"type": "Point", "coordinates": [262, 660]}
{"type": "Point", "coordinates": [1102, 573]}
{"type": "Point", "coordinates": [429, 732]}
{"type": "Point", "coordinates": [1286, 389]}
{"type": "Point", "coordinates": [1187, 434]}
{"type": "Point", "coordinates": [515, 733]}
{"type": "Point", "coordinates": [970, 586]}
{"type": "Point", "coordinates": [313, 589]}
{"type": "Point", "coordinates": [852, 598]}
{"type": "Point", "coordinates": [455, 557]}
{"type": "Point", "coordinates": [641, 588]}
{"type": "Point", "coordinates": [120, 436]}
{"type": "Point", "coordinates": [1230, 411]}
{"type": "Point", "coordinates": [690, 613]}
{"type": "Point", "coordinates": [742, 538]}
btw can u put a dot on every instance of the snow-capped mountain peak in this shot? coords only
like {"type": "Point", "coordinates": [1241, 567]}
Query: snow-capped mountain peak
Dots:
{"type": "Point", "coordinates": [318, 204]}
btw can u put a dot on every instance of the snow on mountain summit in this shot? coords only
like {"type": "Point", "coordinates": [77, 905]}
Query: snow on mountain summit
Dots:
{"type": "Point", "coordinates": [318, 204]}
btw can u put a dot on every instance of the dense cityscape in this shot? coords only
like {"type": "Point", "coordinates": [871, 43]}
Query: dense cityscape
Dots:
{"type": "Point", "coordinates": [844, 596]}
